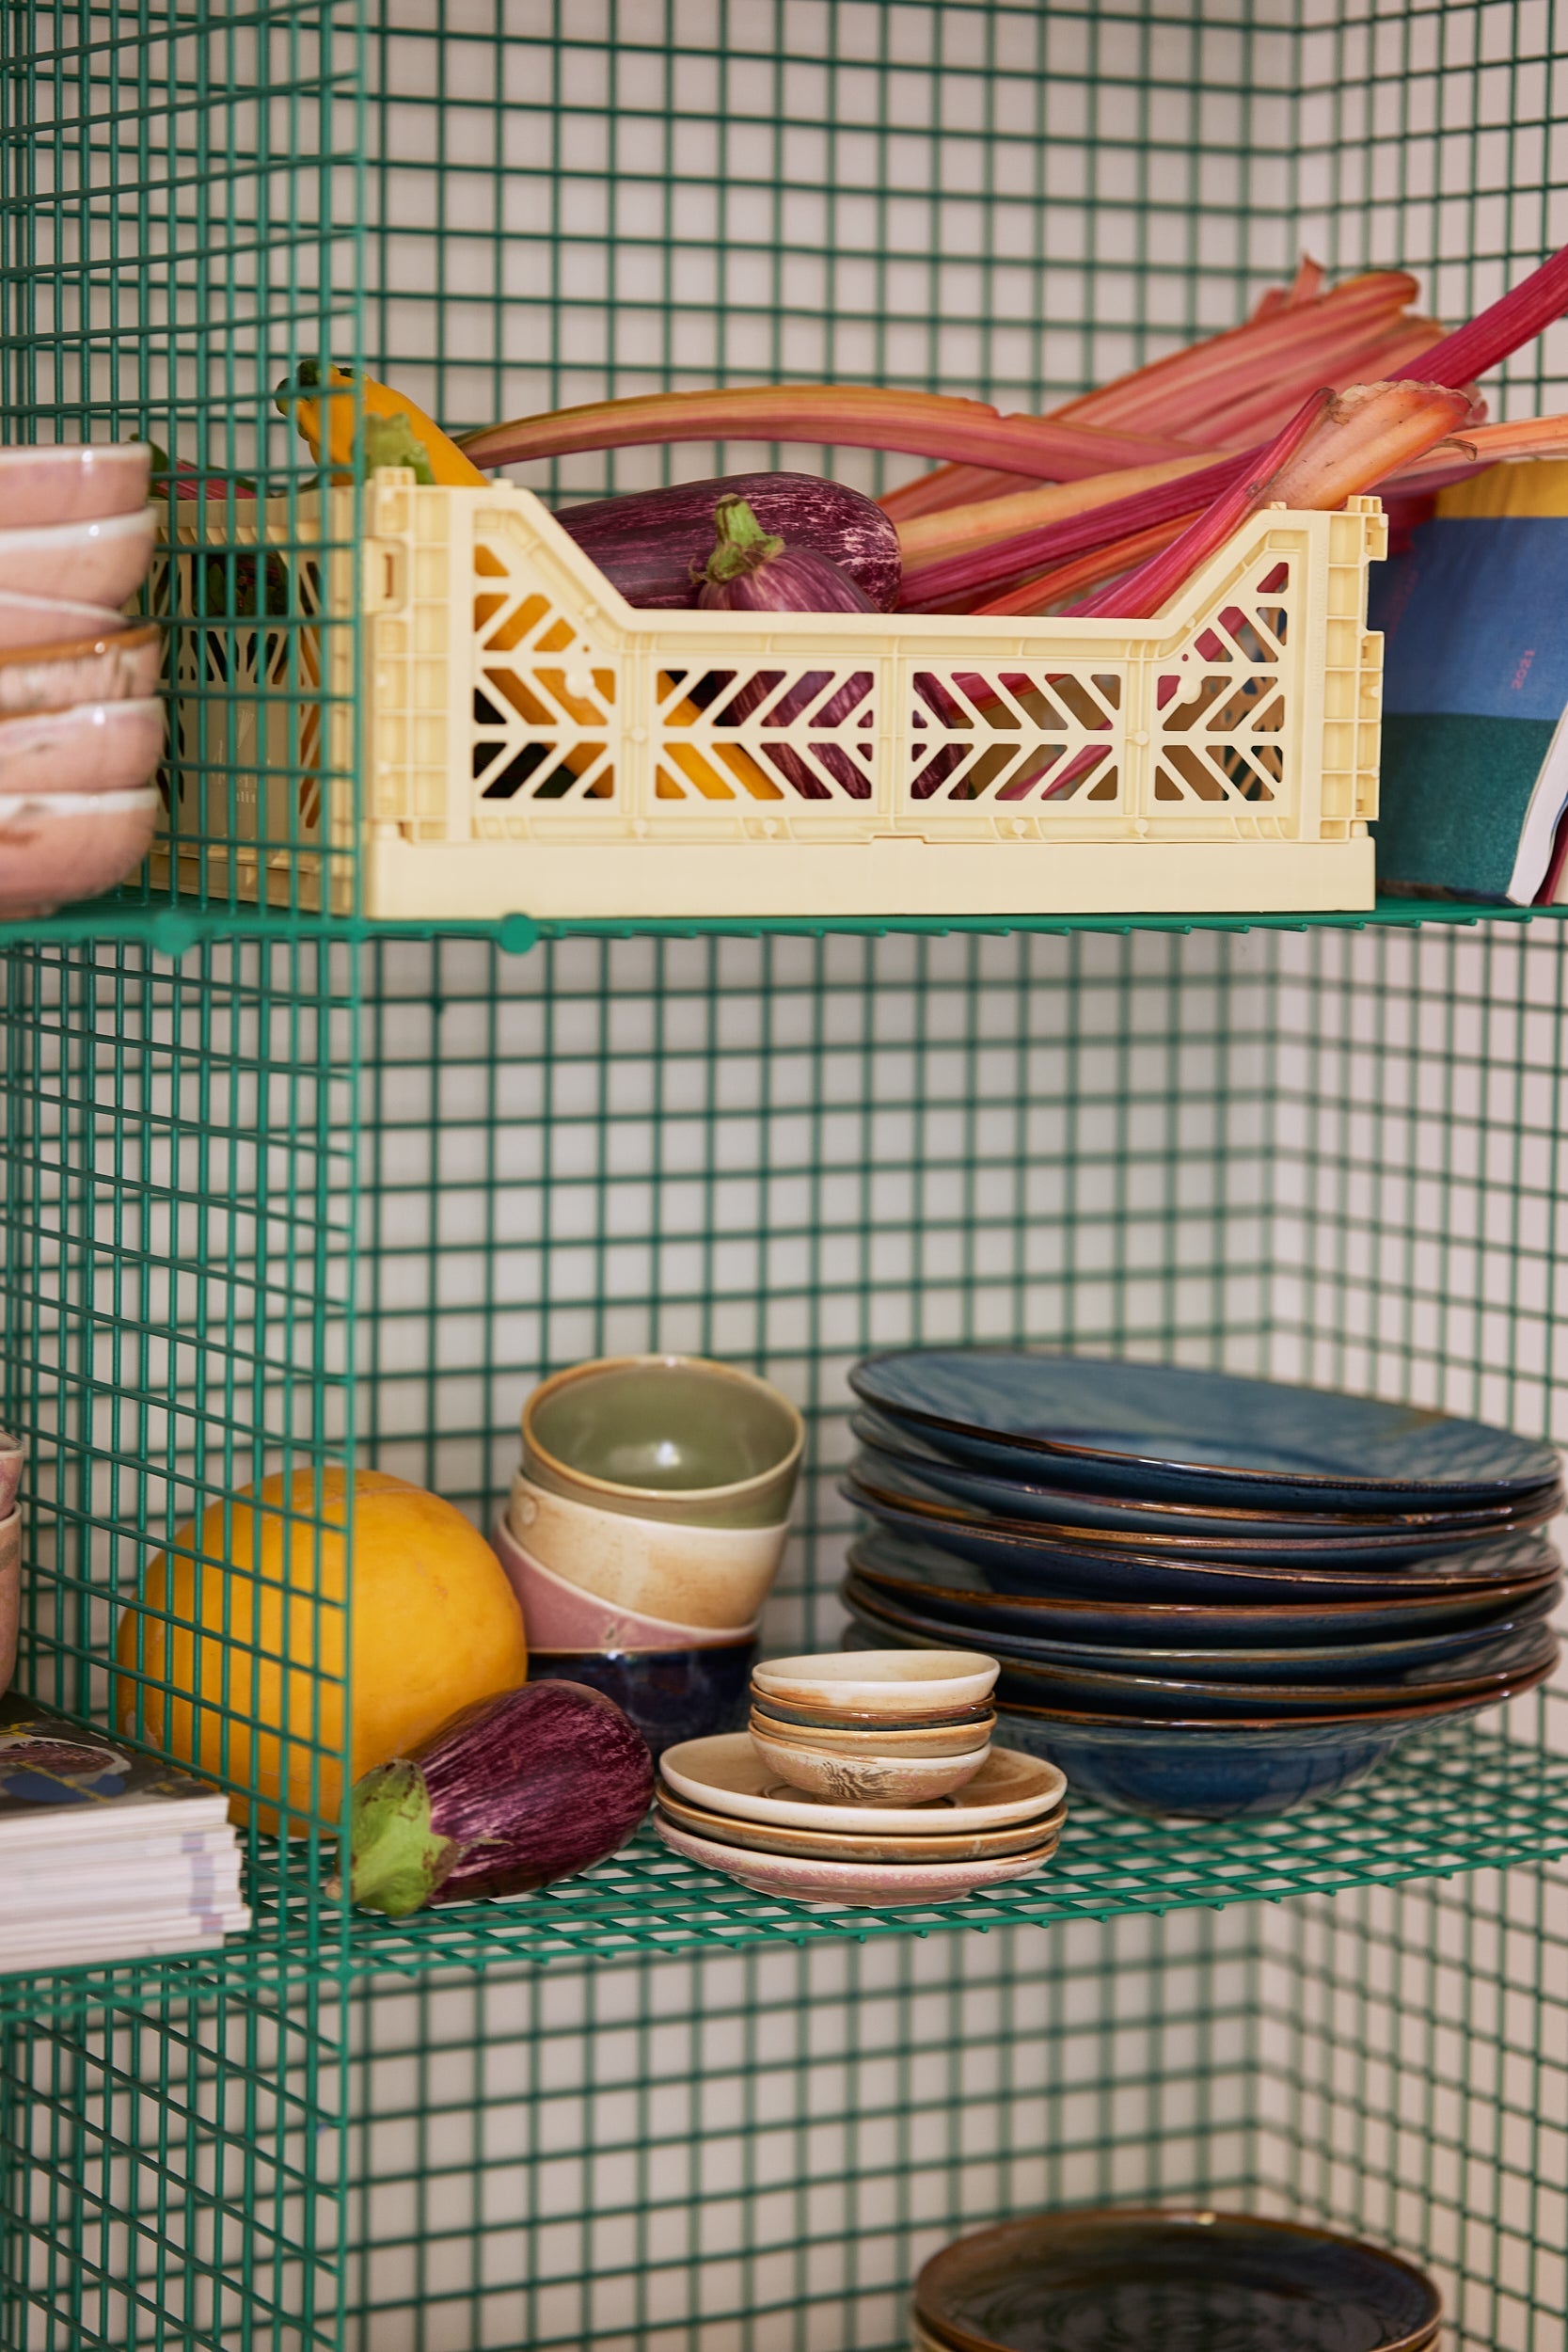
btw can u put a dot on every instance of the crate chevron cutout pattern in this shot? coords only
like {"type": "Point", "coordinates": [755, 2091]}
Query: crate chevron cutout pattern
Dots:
{"type": "Point", "coordinates": [543, 710]}
{"type": "Point", "coordinates": [1222, 723]}
{"type": "Point", "coordinates": [1011, 735]}
{"type": "Point", "coordinates": [779, 731]}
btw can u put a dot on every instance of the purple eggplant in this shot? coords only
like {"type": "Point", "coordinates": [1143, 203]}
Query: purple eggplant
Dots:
{"type": "Point", "coordinates": [652, 542]}
{"type": "Point", "coordinates": [533, 1785]}
{"type": "Point", "coordinates": [753, 570]}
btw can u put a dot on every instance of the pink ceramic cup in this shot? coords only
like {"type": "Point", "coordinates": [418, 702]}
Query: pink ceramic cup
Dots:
{"type": "Point", "coordinates": [119, 666]}
{"type": "Point", "coordinates": [60, 845]}
{"type": "Point", "coordinates": [10, 1596]}
{"type": "Point", "coordinates": [52, 620]}
{"type": "Point", "coordinates": [72, 481]}
{"type": "Point", "coordinates": [558, 1615]}
{"type": "Point", "coordinates": [98, 562]}
{"type": "Point", "coordinates": [11, 1459]}
{"type": "Point", "coordinates": [98, 747]}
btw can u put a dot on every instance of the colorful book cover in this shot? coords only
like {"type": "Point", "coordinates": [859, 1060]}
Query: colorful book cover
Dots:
{"type": "Point", "coordinates": [1475, 757]}
{"type": "Point", "coordinates": [64, 1782]}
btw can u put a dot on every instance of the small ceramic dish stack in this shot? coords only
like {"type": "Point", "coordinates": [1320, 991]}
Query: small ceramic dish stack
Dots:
{"type": "Point", "coordinates": [644, 1530]}
{"type": "Point", "coordinates": [720, 1803]}
{"type": "Point", "coordinates": [81, 726]}
{"type": "Point", "coordinates": [863, 1730]}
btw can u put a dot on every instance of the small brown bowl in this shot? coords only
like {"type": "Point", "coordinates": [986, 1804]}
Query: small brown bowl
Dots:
{"type": "Point", "coordinates": [948, 1740]}
{"type": "Point", "coordinates": [862, 1719]}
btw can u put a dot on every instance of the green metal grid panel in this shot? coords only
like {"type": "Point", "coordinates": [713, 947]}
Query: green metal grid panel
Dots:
{"type": "Point", "coordinates": [161, 2179]}
{"type": "Point", "coordinates": [180, 225]}
{"type": "Point", "coordinates": [1173, 1181]}
{"type": "Point", "coordinates": [178, 1286]}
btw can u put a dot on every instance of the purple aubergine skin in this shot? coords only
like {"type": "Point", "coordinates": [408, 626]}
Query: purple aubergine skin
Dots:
{"type": "Point", "coordinates": [551, 1777]}
{"type": "Point", "coordinates": [650, 542]}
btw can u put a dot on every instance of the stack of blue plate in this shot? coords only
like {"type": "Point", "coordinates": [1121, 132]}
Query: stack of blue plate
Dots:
{"type": "Point", "coordinates": [1209, 1595]}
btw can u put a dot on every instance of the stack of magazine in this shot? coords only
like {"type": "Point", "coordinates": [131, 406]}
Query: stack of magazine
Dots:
{"type": "Point", "coordinates": [103, 1854]}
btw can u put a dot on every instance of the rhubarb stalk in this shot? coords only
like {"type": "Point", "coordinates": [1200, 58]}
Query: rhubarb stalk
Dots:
{"type": "Point", "coordinates": [854, 415]}
{"type": "Point", "coordinates": [1514, 319]}
{"type": "Point", "coordinates": [1337, 446]}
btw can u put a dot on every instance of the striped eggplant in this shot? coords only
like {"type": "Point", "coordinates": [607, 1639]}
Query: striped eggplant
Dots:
{"type": "Point", "coordinates": [652, 544]}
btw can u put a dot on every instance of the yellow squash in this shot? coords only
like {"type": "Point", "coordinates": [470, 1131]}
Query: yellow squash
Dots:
{"type": "Point", "coordinates": [242, 1651]}
{"type": "Point", "coordinates": [396, 430]}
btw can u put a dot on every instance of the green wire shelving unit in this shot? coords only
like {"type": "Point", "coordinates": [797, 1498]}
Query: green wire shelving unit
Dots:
{"type": "Point", "coordinates": [288, 1191]}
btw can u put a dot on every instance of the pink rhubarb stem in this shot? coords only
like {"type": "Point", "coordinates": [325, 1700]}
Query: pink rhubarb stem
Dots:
{"type": "Point", "coordinates": [1514, 319]}
{"type": "Point", "coordinates": [853, 416]}
{"type": "Point", "coordinates": [1143, 590]}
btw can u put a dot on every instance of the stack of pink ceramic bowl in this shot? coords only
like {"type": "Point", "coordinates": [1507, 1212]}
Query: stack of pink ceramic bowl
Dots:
{"type": "Point", "coordinates": [10, 1556]}
{"type": "Point", "coordinates": [81, 726]}
{"type": "Point", "coordinates": [644, 1529]}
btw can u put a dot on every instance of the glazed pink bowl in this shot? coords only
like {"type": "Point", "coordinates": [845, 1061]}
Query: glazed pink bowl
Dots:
{"type": "Point", "coordinates": [10, 1596]}
{"type": "Point", "coordinates": [98, 747]}
{"type": "Point", "coordinates": [100, 562]}
{"type": "Point", "coordinates": [57, 847]}
{"type": "Point", "coordinates": [561, 1617]}
{"type": "Point", "coordinates": [11, 1459]}
{"type": "Point", "coordinates": [52, 620]}
{"type": "Point", "coordinates": [110, 666]}
{"type": "Point", "coordinates": [70, 481]}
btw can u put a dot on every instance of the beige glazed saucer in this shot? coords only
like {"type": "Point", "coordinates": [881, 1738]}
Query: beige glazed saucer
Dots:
{"type": "Point", "coordinates": [726, 1774]}
{"type": "Point", "coordinates": [888, 1884]}
{"type": "Point", "coordinates": [821, 1845]}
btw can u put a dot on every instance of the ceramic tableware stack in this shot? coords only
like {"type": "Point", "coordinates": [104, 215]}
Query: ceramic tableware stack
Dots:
{"type": "Point", "coordinates": [1117, 2275]}
{"type": "Point", "coordinates": [10, 1556]}
{"type": "Point", "coordinates": [644, 1530]}
{"type": "Point", "coordinates": [81, 724]}
{"type": "Point", "coordinates": [824, 1725]}
{"type": "Point", "coordinates": [907, 1820]}
{"type": "Point", "coordinates": [1207, 1596]}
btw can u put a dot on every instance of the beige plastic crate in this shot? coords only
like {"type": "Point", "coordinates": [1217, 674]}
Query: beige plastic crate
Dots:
{"type": "Point", "coordinates": [535, 744]}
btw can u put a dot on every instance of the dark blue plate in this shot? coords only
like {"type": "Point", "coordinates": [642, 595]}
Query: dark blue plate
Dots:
{"type": "Point", "coordinates": [1487, 1676]}
{"type": "Point", "coordinates": [918, 1575]}
{"type": "Point", "coordinates": [1204, 1769]}
{"type": "Point", "coordinates": [1027, 1563]}
{"type": "Point", "coordinates": [1172, 1434]}
{"type": "Point", "coordinates": [670, 1695]}
{"type": "Point", "coordinates": [1172, 2282]}
{"type": "Point", "coordinates": [1344, 1662]}
{"type": "Point", "coordinates": [876, 1474]}
{"type": "Point", "coordinates": [895, 1458]}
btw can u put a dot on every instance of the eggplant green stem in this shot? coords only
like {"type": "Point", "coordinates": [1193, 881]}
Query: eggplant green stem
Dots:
{"type": "Point", "coordinates": [397, 1860]}
{"type": "Point", "coordinates": [742, 544]}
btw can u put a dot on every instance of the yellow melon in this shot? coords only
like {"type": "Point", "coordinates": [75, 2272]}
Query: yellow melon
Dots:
{"type": "Point", "coordinates": [239, 1653]}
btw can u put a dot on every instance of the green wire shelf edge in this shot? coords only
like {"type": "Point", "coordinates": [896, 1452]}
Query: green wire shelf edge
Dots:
{"type": "Point", "coordinates": [172, 930]}
{"type": "Point", "coordinates": [1446, 1803]}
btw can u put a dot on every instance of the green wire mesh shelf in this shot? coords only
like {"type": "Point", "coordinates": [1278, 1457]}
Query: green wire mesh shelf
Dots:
{"type": "Point", "coordinates": [174, 931]}
{"type": "Point", "coordinates": [1442, 1806]}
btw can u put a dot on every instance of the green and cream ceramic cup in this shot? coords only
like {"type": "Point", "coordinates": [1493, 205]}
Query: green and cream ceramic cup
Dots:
{"type": "Point", "coordinates": [672, 1438]}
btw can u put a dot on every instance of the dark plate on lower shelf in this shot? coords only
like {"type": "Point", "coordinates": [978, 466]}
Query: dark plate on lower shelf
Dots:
{"type": "Point", "coordinates": [1172, 2282]}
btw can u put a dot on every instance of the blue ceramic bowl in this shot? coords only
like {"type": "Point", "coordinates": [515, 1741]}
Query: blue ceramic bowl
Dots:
{"type": "Point", "coordinates": [670, 1695]}
{"type": "Point", "coordinates": [1017, 1561]}
{"type": "Point", "coordinates": [1162, 2280]}
{"type": "Point", "coordinates": [1199, 1768]}
{"type": "Point", "coordinates": [1171, 1433]}
{"type": "Point", "coordinates": [900, 1467]}
{"type": "Point", "coordinates": [917, 1577]}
